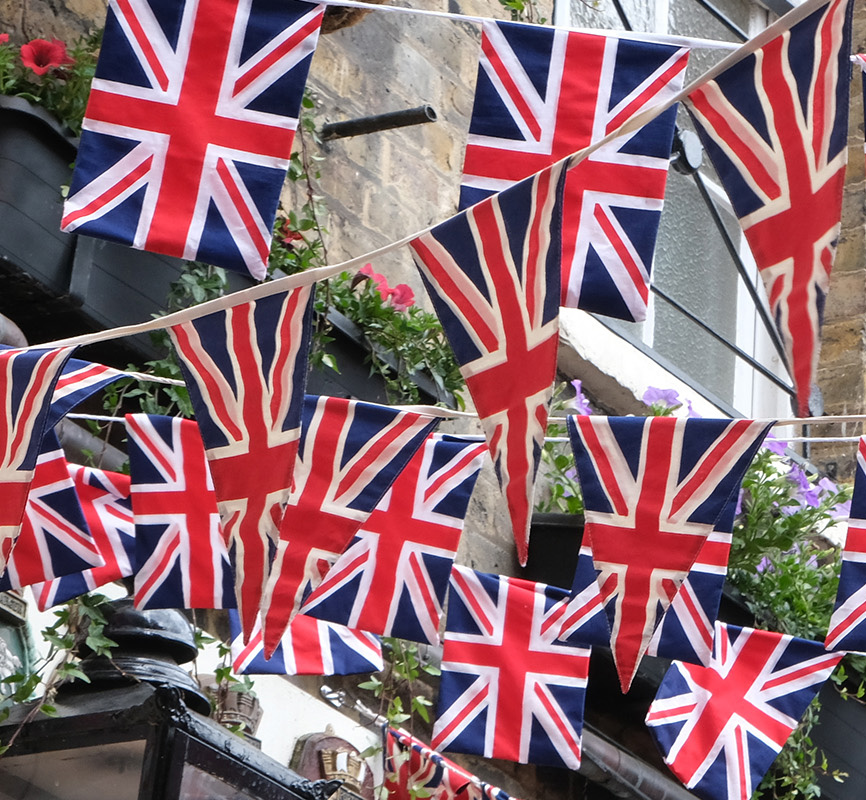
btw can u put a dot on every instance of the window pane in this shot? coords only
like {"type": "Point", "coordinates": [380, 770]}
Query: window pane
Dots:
{"type": "Point", "coordinates": [81, 773]}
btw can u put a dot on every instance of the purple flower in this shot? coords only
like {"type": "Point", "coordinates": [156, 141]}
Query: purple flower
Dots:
{"type": "Point", "coordinates": [580, 403]}
{"type": "Point", "coordinates": [739, 509]}
{"type": "Point", "coordinates": [775, 445]}
{"type": "Point", "coordinates": [691, 411]}
{"type": "Point", "coordinates": [841, 510]}
{"type": "Point", "coordinates": [828, 486]}
{"type": "Point", "coordinates": [764, 564]}
{"type": "Point", "coordinates": [809, 493]}
{"type": "Point", "coordinates": [571, 474]}
{"type": "Point", "coordinates": [666, 398]}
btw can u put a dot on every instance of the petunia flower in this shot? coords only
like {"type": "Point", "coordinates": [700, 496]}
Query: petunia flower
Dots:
{"type": "Point", "coordinates": [4, 38]}
{"type": "Point", "coordinates": [379, 281]}
{"type": "Point", "coordinates": [287, 234]}
{"type": "Point", "coordinates": [402, 297]}
{"type": "Point", "coordinates": [580, 404]}
{"type": "Point", "coordinates": [661, 401]}
{"type": "Point", "coordinates": [42, 56]}
{"type": "Point", "coordinates": [774, 445]}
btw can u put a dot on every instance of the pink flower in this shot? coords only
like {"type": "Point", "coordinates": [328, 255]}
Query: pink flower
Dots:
{"type": "Point", "coordinates": [402, 297]}
{"type": "Point", "coordinates": [379, 281]}
{"type": "Point", "coordinates": [41, 56]}
{"type": "Point", "coordinates": [4, 37]}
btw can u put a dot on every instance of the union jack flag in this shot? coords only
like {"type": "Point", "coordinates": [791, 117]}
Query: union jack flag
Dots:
{"type": "Point", "coordinates": [509, 689]}
{"type": "Point", "coordinates": [245, 368]}
{"type": "Point", "coordinates": [393, 578]}
{"type": "Point", "coordinates": [78, 381]}
{"type": "Point", "coordinates": [775, 125]}
{"type": "Point", "coordinates": [413, 769]}
{"type": "Point", "coordinates": [543, 94]}
{"type": "Point", "coordinates": [308, 647]}
{"type": "Point", "coordinates": [54, 538]}
{"type": "Point", "coordinates": [181, 555]}
{"type": "Point", "coordinates": [848, 623]}
{"type": "Point", "coordinates": [27, 379]}
{"type": "Point", "coordinates": [105, 501]}
{"type": "Point", "coordinates": [350, 454]}
{"type": "Point", "coordinates": [492, 272]}
{"type": "Point", "coordinates": [720, 727]}
{"type": "Point", "coordinates": [685, 632]}
{"type": "Point", "coordinates": [654, 489]}
{"type": "Point", "coordinates": [189, 126]}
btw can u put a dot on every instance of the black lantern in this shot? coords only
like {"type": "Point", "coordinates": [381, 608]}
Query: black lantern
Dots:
{"type": "Point", "coordinates": [139, 731]}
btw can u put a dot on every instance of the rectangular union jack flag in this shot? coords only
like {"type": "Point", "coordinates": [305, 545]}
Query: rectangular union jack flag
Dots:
{"type": "Point", "coordinates": [543, 94]}
{"type": "Point", "coordinates": [27, 379]}
{"type": "Point", "coordinates": [848, 624]}
{"type": "Point", "coordinates": [308, 647]}
{"type": "Point", "coordinates": [189, 126]}
{"type": "Point", "coordinates": [492, 272]}
{"type": "Point", "coordinates": [350, 454]}
{"type": "Point", "coordinates": [720, 727]}
{"type": "Point", "coordinates": [54, 538]}
{"type": "Point", "coordinates": [685, 632]}
{"type": "Point", "coordinates": [509, 689]}
{"type": "Point", "coordinates": [413, 769]}
{"type": "Point", "coordinates": [392, 580]}
{"type": "Point", "coordinates": [245, 368]}
{"type": "Point", "coordinates": [654, 489]}
{"type": "Point", "coordinates": [180, 552]}
{"type": "Point", "coordinates": [105, 501]}
{"type": "Point", "coordinates": [775, 125]}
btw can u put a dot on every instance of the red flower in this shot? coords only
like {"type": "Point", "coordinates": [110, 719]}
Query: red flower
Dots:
{"type": "Point", "coordinates": [287, 234]}
{"type": "Point", "coordinates": [4, 37]}
{"type": "Point", "coordinates": [402, 297]}
{"type": "Point", "coordinates": [40, 55]}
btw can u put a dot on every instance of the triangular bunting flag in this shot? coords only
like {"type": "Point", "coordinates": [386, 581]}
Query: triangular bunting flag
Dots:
{"type": "Point", "coordinates": [509, 689]}
{"type": "Point", "coordinates": [27, 379]}
{"type": "Point", "coordinates": [685, 632]}
{"type": "Point", "coordinates": [189, 127]}
{"type": "Point", "coordinates": [308, 647]}
{"type": "Point", "coordinates": [54, 538]}
{"type": "Point", "coordinates": [492, 272]}
{"type": "Point", "coordinates": [350, 454]}
{"type": "Point", "coordinates": [414, 770]}
{"type": "Point", "coordinates": [104, 498]}
{"type": "Point", "coordinates": [848, 623]}
{"type": "Point", "coordinates": [392, 580]}
{"type": "Point", "coordinates": [775, 125]}
{"type": "Point", "coordinates": [245, 368]}
{"type": "Point", "coordinates": [180, 552]}
{"type": "Point", "coordinates": [721, 727]}
{"type": "Point", "coordinates": [654, 489]}
{"type": "Point", "coordinates": [543, 93]}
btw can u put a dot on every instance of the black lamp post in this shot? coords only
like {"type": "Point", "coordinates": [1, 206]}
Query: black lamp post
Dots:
{"type": "Point", "coordinates": [139, 731]}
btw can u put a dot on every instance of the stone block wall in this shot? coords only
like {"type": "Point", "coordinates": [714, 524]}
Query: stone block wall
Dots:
{"type": "Point", "coordinates": [842, 368]}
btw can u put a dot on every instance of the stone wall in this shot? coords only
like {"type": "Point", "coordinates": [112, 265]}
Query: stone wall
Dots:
{"type": "Point", "coordinates": [843, 354]}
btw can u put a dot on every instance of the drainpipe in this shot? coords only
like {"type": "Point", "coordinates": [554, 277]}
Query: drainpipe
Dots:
{"type": "Point", "coordinates": [11, 334]}
{"type": "Point", "coordinates": [624, 775]}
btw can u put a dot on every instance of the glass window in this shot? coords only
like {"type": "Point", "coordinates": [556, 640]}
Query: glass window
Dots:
{"type": "Point", "coordinates": [83, 773]}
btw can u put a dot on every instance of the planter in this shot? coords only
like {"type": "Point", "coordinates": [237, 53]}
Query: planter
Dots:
{"type": "Point", "coordinates": [351, 349]}
{"type": "Point", "coordinates": [34, 163]}
{"type": "Point", "coordinates": [841, 734]}
{"type": "Point", "coordinates": [58, 284]}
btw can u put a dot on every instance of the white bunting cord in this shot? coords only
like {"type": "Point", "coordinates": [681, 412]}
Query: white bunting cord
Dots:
{"type": "Point", "coordinates": [638, 36]}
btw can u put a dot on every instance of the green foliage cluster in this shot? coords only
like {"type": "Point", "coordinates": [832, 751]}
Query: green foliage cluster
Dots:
{"type": "Point", "coordinates": [396, 689]}
{"type": "Point", "coordinates": [78, 624]}
{"type": "Point", "coordinates": [63, 90]}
